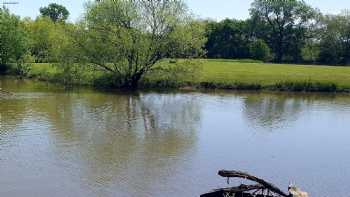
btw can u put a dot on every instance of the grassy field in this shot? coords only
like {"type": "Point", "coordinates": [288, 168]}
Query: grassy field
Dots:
{"type": "Point", "coordinates": [239, 74]}
{"type": "Point", "coordinates": [50, 72]}
{"type": "Point", "coordinates": [274, 75]}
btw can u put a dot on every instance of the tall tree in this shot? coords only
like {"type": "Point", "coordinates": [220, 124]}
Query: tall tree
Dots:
{"type": "Point", "coordinates": [227, 39]}
{"type": "Point", "coordinates": [288, 22]}
{"type": "Point", "coordinates": [56, 12]}
{"type": "Point", "coordinates": [46, 38]}
{"type": "Point", "coordinates": [128, 38]}
{"type": "Point", "coordinates": [13, 42]}
{"type": "Point", "coordinates": [335, 39]}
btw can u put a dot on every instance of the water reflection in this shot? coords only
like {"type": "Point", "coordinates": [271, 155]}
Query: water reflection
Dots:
{"type": "Point", "coordinates": [86, 143]}
{"type": "Point", "coordinates": [272, 111]}
{"type": "Point", "coordinates": [123, 143]}
{"type": "Point", "coordinates": [11, 114]}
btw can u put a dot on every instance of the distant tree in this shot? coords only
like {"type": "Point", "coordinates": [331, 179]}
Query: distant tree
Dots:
{"type": "Point", "coordinates": [128, 38]}
{"type": "Point", "coordinates": [40, 34]}
{"type": "Point", "coordinates": [56, 12]}
{"type": "Point", "coordinates": [227, 39]}
{"type": "Point", "coordinates": [13, 42]}
{"type": "Point", "coordinates": [288, 22]}
{"type": "Point", "coordinates": [260, 50]}
{"type": "Point", "coordinates": [46, 39]}
{"type": "Point", "coordinates": [335, 39]}
{"type": "Point", "coordinates": [330, 52]}
{"type": "Point", "coordinates": [311, 51]}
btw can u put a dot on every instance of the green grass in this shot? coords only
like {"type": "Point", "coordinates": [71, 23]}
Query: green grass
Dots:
{"type": "Point", "coordinates": [255, 75]}
{"type": "Point", "coordinates": [240, 74]}
{"type": "Point", "coordinates": [268, 74]}
{"type": "Point", "coordinates": [50, 72]}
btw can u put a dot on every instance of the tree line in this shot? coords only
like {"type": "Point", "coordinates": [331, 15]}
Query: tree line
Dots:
{"type": "Point", "coordinates": [282, 31]}
{"type": "Point", "coordinates": [127, 38]}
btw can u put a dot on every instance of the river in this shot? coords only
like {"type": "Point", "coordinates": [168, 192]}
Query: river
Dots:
{"type": "Point", "coordinates": [57, 142]}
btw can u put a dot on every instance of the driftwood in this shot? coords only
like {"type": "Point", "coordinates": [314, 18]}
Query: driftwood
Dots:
{"type": "Point", "coordinates": [262, 188]}
{"type": "Point", "coordinates": [265, 184]}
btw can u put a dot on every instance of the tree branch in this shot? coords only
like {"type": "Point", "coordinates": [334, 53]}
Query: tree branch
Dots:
{"type": "Point", "coordinates": [238, 174]}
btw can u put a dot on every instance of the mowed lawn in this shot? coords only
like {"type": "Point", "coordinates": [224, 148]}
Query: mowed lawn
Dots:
{"type": "Point", "coordinates": [230, 72]}
{"type": "Point", "coordinates": [265, 74]}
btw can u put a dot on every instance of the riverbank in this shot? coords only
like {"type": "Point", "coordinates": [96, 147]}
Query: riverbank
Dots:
{"type": "Point", "coordinates": [220, 74]}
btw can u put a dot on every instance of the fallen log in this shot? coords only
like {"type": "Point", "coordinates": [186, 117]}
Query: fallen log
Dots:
{"type": "Point", "coordinates": [265, 184]}
{"type": "Point", "coordinates": [261, 189]}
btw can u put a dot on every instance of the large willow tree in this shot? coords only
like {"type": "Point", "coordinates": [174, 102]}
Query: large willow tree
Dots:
{"type": "Point", "coordinates": [128, 37]}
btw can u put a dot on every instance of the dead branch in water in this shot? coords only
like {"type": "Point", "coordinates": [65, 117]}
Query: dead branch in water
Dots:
{"type": "Point", "coordinates": [262, 188]}
{"type": "Point", "coordinates": [265, 184]}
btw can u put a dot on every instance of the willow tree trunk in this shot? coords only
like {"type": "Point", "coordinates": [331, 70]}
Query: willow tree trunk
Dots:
{"type": "Point", "coordinates": [132, 82]}
{"type": "Point", "coordinates": [3, 68]}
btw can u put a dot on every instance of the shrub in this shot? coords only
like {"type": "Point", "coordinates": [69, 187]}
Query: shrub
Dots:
{"type": "Point", "coordinates": [13, 40]}
{"type": "Point", "coordinates": [260, 50]}
{"type": "Point", "coordinates": [172, 75]}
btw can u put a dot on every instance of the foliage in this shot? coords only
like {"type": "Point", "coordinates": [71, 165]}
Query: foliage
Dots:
{"type": "Point", "coordinates": [56, 12]}
{"type": "Point", "coordinates": [335, 39]}
{"type": "Point", "coordinates": [286, 26]}
{"type": "Point", "coordinates": [47, 39]}
{"type": "Point", "coordinates": [52, 43]}
{"type": "Point", "coordinates": [127, 38]}
{"type": "Point", "coordinates": [186, 41]}
{"type": "Point", "coordinates": [311, 52]}
{"type": "Point", "coordinates": [288, 22]}
{"type": "Point", "coordinates": [13, 43]}
{"type": "Point", "coordinates": [260, 50]}
{"type": "Point", "coordinates": [23, 66]}
{"type": "Point", "coordinates": [40, 31]}
{"type": "Point", "coordinates": [228, 39]}
{"type": "Point", "coordinates": [170, 73]}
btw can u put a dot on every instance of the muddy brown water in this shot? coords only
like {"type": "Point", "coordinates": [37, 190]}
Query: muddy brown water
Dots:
{"type": "Point", "coordinates": [55, 142]}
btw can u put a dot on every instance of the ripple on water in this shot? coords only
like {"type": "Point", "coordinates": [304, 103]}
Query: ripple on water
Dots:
{"type": "Point", "coordinates": [156, 144]}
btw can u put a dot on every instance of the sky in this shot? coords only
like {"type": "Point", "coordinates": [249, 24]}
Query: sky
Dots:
{"type": "Point", "coordinates": [214, 9]}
